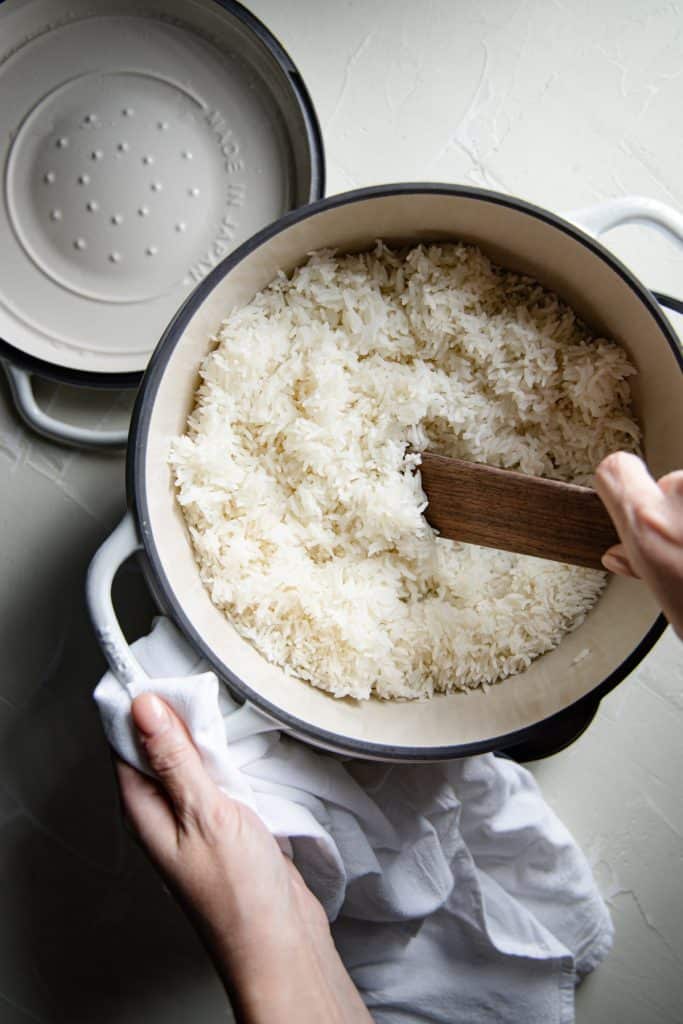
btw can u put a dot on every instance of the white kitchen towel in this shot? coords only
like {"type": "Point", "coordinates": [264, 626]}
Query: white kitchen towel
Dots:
{"type": "Point", "coordinates": [456, 895]}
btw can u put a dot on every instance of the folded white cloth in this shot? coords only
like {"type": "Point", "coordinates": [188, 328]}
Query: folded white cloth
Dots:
{"type": "Point", "coordinates": [456, 895]}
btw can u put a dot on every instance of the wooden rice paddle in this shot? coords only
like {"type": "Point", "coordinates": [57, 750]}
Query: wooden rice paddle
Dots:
{"type": "Point", "coordinates": [500, 508]}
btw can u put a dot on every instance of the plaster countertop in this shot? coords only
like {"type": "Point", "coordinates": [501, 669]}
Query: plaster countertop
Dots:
{"type": "Point", "coordinates": [562, 103]}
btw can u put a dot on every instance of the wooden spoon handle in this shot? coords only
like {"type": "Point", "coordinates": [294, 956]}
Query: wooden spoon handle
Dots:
{"type": "Point", "coordinates": [500, 508]}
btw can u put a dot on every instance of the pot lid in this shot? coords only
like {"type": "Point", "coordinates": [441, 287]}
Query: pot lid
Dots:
{"type": "Point", "coordinates": [141, 143]}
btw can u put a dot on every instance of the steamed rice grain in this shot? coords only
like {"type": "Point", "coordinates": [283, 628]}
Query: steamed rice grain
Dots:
{"type": "Point", "coordinates": [297, 484]}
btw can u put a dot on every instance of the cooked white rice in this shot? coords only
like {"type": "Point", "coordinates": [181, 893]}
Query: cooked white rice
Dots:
{"type": "Point", "coordinates": [304, 512]}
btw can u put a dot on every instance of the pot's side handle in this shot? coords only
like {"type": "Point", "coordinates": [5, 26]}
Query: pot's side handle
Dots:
{"type": "Point", "coordinates": [103, 568]}
{"type": "Point", "coordinates": [108, 559]}
{"type": "Point", "coordinates": [56, 430]}
{"type": "Point", "coordinates": [629, 210]}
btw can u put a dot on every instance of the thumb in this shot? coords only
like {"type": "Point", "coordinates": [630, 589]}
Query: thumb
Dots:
{"type": "Point", "coordinates": [630, 495]}
{"type": "Point", "coordinates": [172, 755]}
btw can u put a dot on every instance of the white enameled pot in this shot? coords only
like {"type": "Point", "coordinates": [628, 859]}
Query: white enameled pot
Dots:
{"type": "Point", "coordinates": [564, 255]}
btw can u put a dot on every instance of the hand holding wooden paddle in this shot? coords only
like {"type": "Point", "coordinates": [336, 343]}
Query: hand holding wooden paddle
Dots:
{"type": "Point", "coordinates": [503, 509]}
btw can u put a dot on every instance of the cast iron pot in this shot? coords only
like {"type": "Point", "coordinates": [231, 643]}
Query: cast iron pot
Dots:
{"type": "Point", "coordinates": [618, 632]}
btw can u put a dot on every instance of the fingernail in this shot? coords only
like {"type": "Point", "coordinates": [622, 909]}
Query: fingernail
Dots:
{"type": "Point", "coordinates": [150, 715]}
{"type": "Point", "coordinates": [613, 563]}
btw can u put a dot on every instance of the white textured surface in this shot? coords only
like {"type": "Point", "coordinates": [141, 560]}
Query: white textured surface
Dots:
{"type": "Point", "coordinates": [563, 103]}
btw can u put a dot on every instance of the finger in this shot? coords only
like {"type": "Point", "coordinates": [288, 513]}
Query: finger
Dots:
{"type": "Point", "coordinates": [145, 805]}
{"type": "Point", "coordinates": [672, 484]}
{"type": "Point", "coordinates": [172, 755]}
{"type": "Point", "coordinates": [629, 494]}
{"type": "Point", "coordinates": [616, 560]}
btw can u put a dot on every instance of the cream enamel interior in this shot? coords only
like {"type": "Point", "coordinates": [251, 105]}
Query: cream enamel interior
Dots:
{"type": "Point", "coordinates": [519, 240]}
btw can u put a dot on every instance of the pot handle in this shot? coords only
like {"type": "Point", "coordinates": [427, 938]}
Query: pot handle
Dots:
{"type": "Point", "coordinates": [108, 559]}
{"type": "Point", "coordinates": [629, 210]}
{"type": "Point", "coordinates": [56, 430]}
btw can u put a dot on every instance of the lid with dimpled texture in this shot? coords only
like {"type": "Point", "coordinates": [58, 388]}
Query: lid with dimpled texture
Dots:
{"type": "Point", "coordinates": [142, 143]}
